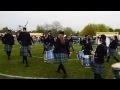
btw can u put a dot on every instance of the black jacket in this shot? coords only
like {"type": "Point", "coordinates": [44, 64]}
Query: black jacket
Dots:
{"type": "Point", "coordinates": [87, 47]}
{"type": "Point", "coordinates": [31, 41]}
{"type": "Point", "coordinates": [8, 39]}
{"type": "Point", "coordinates": [49, 40]}
{"type": "Point", "coordinates": [61, 48]}
{"type": "Point", "coordinates": [24, 39]}
{"type": "Point", "coordinates": [113, 44]}
{"type": "Point", "coordinates": [101, 52]}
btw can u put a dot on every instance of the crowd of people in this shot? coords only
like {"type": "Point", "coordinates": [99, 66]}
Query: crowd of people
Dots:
{"type": "Point", "coordinates": [61, 46]}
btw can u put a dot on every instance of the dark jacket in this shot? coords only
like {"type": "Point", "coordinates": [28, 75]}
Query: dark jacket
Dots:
{"type": "Point", "coordinates": [8, 39]}
{"type": "Point", "coordinates": [24, 38]}
{"type": "Point", "coordinates": [101, 52]}
{"type": "Point", "coordinates": [61, 48]}
{"type": "Point", "coordinates": [71, 39]}
{"type": "Point", "coordinates": [31, 41]}
{"type": "Point", "coordinates": [49, 40]}
{"type": "Point", "coordinates": [113, 44]}
{"type": "Point", "coordinates": [87, 47]}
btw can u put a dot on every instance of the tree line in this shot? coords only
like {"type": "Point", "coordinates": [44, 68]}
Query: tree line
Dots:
{"type": "Point", "coordinates": [89, 29]}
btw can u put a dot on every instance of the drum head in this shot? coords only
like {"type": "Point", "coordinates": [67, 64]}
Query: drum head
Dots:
{"type": "Point", "coordinates": [116, 66]}
{"type": "Point", "coordinates": [86, 56]}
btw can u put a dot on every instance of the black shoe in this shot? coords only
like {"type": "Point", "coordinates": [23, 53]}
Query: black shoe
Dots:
{"type": "Point", "coordinates": [26, 65]}
{"type": "Point", "coordinates": [107, 61]}
{"type": "Point", "coordinates": [58, 71]}
{"type": "Point", "coordinates": [8, 58]}
{"type": "Point", "coordinates": [65, 76]}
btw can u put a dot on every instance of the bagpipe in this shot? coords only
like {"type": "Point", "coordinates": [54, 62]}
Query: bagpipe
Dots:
{"type": "Point", "coordinates": [21, 27]}
{"type": "Point", "coordinates": [86, 60]}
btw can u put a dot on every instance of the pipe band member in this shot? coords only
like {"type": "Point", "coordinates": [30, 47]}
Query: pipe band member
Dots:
{"type": "Point", "coordinates": [25, 40]}
{"type": "Point", "coordinates": [8, 40]}
{"type": "Point", "coordinates": [61, 51]}
{"type": "Point", "coordinates": [113, 49]}
{"type": "Point", "coordinates": [49, 41]}
{"type": "Point", "coordinates": [100, 53]}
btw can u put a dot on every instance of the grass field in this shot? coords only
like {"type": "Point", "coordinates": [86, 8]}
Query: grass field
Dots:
{"type": "Point", "coordinates": [39, 69]}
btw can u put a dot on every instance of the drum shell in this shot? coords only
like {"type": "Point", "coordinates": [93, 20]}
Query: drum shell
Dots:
{"type": "Point", "coordinates": [116, 70]}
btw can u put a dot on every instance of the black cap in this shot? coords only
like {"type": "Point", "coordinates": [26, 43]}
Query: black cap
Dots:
{"type": "Point", "coordinates": [24, 28]}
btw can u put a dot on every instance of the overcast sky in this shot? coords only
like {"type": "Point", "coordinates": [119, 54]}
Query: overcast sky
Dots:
{"type": "Point", "coordinates": [74, 19]}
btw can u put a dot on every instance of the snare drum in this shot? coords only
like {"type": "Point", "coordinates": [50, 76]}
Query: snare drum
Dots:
{"type": "Point", "coordinates": [87, 60]}
{"type": "Point", "coordinates": [49, 56]}
{"type": "Point", "coordinates": [80, 54]}
{"type": "Point", "coordinates": [116, 70]}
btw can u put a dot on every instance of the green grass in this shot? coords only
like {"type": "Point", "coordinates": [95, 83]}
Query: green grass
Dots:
{"type": "Point", "coordinates": [40, 69]}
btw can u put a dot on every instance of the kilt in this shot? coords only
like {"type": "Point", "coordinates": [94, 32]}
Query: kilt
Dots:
{"type": "Point", "coordinates": [98, 68]}
{"type": "Point", "coordinates": [70, 44]}
{"type": "Point", "coordinates": [113, 52]}
{"type": "Point", "coordinates": [60, 58]}
{"type": "Point", "coordinates": [24, 51]}
{"type": "Point", "coordinates": [8, 47]}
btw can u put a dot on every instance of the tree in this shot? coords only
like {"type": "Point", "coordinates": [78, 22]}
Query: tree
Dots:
{"type": "Point", "coordinates": [47, 27]}
{"type": "Point", "coordinates": [40, 29]}
{"type": "Point", "coordinates": [68, 31]}
{"type": "Point", "coordinates": [111, 29]}
{"type": "Point", "coordinates": [5, 29]}
{"type": "Point", "coordinates": [102, 28]}
{"type": "Point", "coordinates": [77, 33]}
{"type": "Point", "coordinates": [91, 29]}
{"type": "Point", "coordinates": [117, 30]}
{"type": "Point", "coordinates": [57, 25]}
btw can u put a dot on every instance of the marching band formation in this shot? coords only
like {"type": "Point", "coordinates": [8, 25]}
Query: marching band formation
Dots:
{"type": "Point", "coordinates": [57, 50]}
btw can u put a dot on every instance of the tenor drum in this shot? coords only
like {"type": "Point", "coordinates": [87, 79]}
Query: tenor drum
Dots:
{"type": "Point", "coordinates": [116, 70]}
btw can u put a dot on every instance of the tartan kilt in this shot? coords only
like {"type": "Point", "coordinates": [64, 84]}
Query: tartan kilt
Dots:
{"type": "Point", "coordinates": [113, 52]}
{"type": "Point", "coordinates": [61, 58]}
{"type": "Point", "coordinates": [70, 44]}
{"type": "Point", "coordinates": [8, 47]}
{"type": "Point", "coordinates": [24, 51]}
{"type": "Point", "coordinates": [98, 68]}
